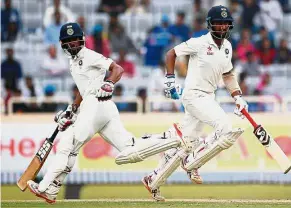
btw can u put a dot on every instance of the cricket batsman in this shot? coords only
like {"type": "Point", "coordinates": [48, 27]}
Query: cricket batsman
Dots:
{"type": "Point", "coordinates": [92, 112]}
{"type": "Point", "coordinates": [210, 60]}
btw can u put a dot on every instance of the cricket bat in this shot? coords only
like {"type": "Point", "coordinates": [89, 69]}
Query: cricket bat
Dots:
{"type": "Point", "coordinates": [270, 144]}
{"type": "Point", "coordinates": [37, 162]}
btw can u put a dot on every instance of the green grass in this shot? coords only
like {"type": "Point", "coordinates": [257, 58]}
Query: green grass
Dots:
{"type": "Point", "coordinates": [190, 192]}
{"type": "Point", "coordinates": [232, 191]}
{"type": "Point", "coordinates": [134, 204]}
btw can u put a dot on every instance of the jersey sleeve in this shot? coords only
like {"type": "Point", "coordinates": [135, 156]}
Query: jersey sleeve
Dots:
{"type": "Point", "coordinates": [188, 47]}
{"type": "Point", "coordinates": [103, 62]}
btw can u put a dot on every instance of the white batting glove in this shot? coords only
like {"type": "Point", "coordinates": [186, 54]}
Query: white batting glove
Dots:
{"type": "Point", "coordinates": [105, 91]}
{"type": "Point", "coordinates": [170, 87]}
{"type": "Point", "coordinates": [66, 118]}
{"type": "Point", "coordinates": [240, 104]}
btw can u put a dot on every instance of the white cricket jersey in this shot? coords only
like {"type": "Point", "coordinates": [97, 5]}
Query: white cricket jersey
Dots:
{"type": "Point", "coordinates": [207, 62]}
{"type": "Point", "coordinates": [88, 70]}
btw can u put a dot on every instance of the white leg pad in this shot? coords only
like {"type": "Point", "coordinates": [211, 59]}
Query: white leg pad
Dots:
{"type": "Point", "coordinates": [144, 148]}
{"type": "Point", "coordinates": [172, 162]}
{"type": "Point", "coordinates": [202, 155]}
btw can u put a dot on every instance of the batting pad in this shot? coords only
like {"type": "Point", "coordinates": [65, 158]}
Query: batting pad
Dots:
{"type": "Point", "coordinates": [144, 148]}
{"type": "Point", "coordinates": [197, 159]}
{"type": "Point", "coordinates": [168, 168]}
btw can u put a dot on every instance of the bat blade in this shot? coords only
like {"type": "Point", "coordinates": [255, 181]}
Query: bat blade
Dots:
{"type": "Point", "coordinates": [273, 148]}
{"type": "Point", "coordinates": [35, 165]}
{"type": "Point", "coordinates": [30, 173]}
{"type": "Point", "coordinates": [270, 144]}
{"type": "Point", "coordinates": [278, 155]}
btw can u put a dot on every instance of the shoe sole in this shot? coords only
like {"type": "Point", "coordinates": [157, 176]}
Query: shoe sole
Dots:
{"type": "Point", "coordinates": [149, 190]}
{"type": "Point", "coordinates": [41, 196]}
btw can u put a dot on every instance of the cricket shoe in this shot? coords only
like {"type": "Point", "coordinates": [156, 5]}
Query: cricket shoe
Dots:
{"type": "Point", "coordinates": [155, 193]}
{"type": "Point", "coordinates": [33, 187]}
{"type": "Point", "coordinates": [193, 175]}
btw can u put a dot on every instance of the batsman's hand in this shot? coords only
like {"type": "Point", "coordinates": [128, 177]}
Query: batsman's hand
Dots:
{"type": "Point", "coordinates": [170, 87]}
{"type": "Point", "coordinates": [240, 104]}
{"type": "Point", "coordinates": [105, 91]}
{"type": "Point", "coordinates": [66, 118]}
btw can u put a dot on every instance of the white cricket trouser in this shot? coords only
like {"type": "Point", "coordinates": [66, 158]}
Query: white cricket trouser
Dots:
{"type": "Point", "coordinates": [94, 117]}
{"type": "Point", "coordinates": [201, 108]}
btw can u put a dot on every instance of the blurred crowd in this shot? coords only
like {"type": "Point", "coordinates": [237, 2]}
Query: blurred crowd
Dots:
{"type": "Point", "coordinates": [258, 39]}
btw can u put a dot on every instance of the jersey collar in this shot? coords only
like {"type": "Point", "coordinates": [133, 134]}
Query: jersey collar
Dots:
{"type": "Point", "coordinates": [80, 55]}
{"type": "Point", "coordinates": [211, 41]}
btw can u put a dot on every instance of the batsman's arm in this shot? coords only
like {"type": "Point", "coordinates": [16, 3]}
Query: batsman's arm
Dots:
{"type": "Point", "coordinates": [77, 102]}
{"type": "Point", "coordinates": [189, 47]}
{"type": "Point", "coordinates": [116, 72]}
{"type": "Point", "coordinates": [234, 90]}
{"type": "Point", "coordinates": [170, 61]}
{"type": "Point", "coordinates": [231, 83]}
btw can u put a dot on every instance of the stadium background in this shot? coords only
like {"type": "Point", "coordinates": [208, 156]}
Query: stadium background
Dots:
{"type": "Point", "coordinates": [35, 83]}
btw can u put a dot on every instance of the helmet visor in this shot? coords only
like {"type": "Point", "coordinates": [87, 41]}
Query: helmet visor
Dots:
{"type": "Point", "coordinates": [72, 46]}
{"type": "Point", "coordinates": [220, 29]}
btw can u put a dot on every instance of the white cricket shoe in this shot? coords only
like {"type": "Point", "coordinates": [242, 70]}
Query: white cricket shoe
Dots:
{"type": "Point", "coordinates": [192, 174]}
{"type": "Point", "coordinates": [33, 187]}
{"type": "Point", "coordinates": [155, 193]}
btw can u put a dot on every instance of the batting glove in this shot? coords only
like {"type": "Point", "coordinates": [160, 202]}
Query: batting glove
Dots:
{"type": "Point", "coordinates": [66, 118]}
{"type": "Point", "coordinates": [106, 90]}
{"type": "Point", "coordinates": [240, 104]}
{"type": "Point", "coordinates": [170, 88]}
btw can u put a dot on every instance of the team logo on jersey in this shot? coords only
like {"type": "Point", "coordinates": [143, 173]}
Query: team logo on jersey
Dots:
{"type": "Point", "coordinates": [226, 51]}
{"type": "Point", "coordinates": [70, 31]}
{"type": "Point", "coordinates": [80, 63]}
{"type": "Point", "coordinates": [209, 51]}
{"type": "Point", "coordinates": [224, 14]}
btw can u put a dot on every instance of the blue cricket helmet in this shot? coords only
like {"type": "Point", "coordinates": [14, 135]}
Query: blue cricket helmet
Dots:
{"type": "Point", "coordinates": [70, 30]}
{"type": "Point", "coordinates": [72, 38]}
{"type": "Point", "coordinates": [219, 14]}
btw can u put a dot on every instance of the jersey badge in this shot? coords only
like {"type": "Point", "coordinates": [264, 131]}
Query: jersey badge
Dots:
{"type": "Point", "coordinates": [226, 52]}
{"type": "Point", "coordinates": [209, 51]}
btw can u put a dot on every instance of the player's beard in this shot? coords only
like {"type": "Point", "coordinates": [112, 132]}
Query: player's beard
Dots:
{"type": "Point", "coordinates": [71, 49]}
{"type": "Point", "coordinates": [219, 34]}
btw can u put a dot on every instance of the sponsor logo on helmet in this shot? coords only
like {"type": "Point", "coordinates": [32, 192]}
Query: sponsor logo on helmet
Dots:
{"type": "Point", "coordinates": [224, 14]}
{"type": "Point", "coordinates": [70, 31]}
{"type": "Point", "coordinates": [80, 63]}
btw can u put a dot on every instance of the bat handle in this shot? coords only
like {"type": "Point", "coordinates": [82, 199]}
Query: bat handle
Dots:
{"type": "Point", "coordinates": [51, 139]}
{"type": "Point", "coordinates": [248, 116]}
